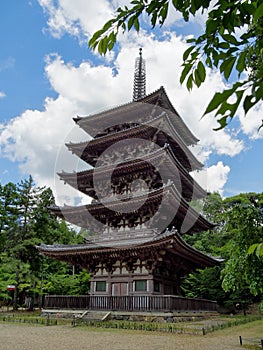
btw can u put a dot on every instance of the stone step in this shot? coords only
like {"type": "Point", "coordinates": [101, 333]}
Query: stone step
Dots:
{"type": "Point", "coordinates": [78, 314]}
{"type": "Point", "coordinates": [96, 316]}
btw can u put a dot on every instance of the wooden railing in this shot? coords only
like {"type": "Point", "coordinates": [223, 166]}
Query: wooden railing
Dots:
{"type": "Point", "coordinates": [129, 303]}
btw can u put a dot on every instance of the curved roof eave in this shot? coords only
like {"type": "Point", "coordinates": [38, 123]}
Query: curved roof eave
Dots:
{"type": "Point", "coordinates": [159, 97]}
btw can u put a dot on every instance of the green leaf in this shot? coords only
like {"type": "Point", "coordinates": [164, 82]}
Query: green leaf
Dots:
{"type": "Point", "coordinates": [185, 71]}
{"type": "Point", "coordinates": [103, 44]}
{"type": "Point", "coordinates": [201, 71]}
{"type": "Point", "coordinates": [231, 39]}
{"type": "Point", "coordinates": [163, 13]}
{"type": "Point", "coordinates": [191, 40]}
{"type": "Point", "coordinates": [217, 99]}
{"type": "Point", "coordinates": [93, 40]}
{"type": "Point", "coordinates": [230, 108]}
{"type": "Point", "coordinates": [130, 22]}
{"type": "Point", "coordinates": [223, 45]}
{"type": "Point", "coordinates": [197, 79]}
{"type": "Point", "coordinates": [227, 66]}
{"type": "Point", "coordinates": [223, 123]}
{"type": "Point", "coordinates": [259, 250]}
{"type": "Point", "coordinates": [189, 83]}
{"type": "Point", "coordinates": [194, 54]}
{"type": "Point", "coordinates": [187, 52]}
{"type": "Point", "coordinates": [241, 62]}
{"type": "Point", "coordinates": [258, 13]}
{"type": "Point", "coordinates": [248, 103]}
{"type": "Point", "coordinates": [252, 248]}
{"type": "Point", "coordinates": [108, 24]}
{"type": "Point", "coordinates": [136, 24]}
{"type": "Point", "coordinates": [111, 41]}
{"type": "Point", "coordinates": [153, 19]}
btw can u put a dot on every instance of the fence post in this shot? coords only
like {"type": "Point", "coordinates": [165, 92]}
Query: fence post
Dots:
{"type": "Point", "coordinates": [240, 340]}
{"type": "Point", "coordinates": [261, 341]}
{"type": "Point", "coordinates": [48, 320]}
{"type": "Point", "coordinates": [73, 321]}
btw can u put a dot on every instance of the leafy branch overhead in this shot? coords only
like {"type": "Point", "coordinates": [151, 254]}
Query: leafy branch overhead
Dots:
{"type": "Point", "coordinates": [219, 46]}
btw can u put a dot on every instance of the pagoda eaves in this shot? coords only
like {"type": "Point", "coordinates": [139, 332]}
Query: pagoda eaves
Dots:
{"type": "Point", "coordinates": [163, 158]}
{"type": "Point", "coordinates": [160, 209]}
{"type": "Point", "coordinates": [138, 112]}
{"type": "Point", "coordinates": [159, 129]}
{"type": "Point", "coordinates": [167, 248]}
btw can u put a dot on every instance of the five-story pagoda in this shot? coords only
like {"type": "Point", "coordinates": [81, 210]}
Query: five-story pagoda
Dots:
{"type": "Point", "coordinates": [140, 185]}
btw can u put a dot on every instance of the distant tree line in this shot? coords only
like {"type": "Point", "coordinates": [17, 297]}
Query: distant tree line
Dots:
{"type": "Point", "coordinates": [25, 222]}
{"type": "Point", "coordinates": [239, 279]}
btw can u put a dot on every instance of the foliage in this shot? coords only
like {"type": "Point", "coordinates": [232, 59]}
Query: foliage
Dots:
{"type": "Point", "coordinates": [244, 225]}
{"type": "Point", "coordinates": [257, 200]}
{"type": "Point", "coordinates": [256, 248]}
{"type": "Point", "coordinates": [25, 222]}
{"type": "Point", "coordinates": [205, 284]}
{"type": "Point", "coordinates": [211, 241]}
{"type": "Point", "coordinates": [239, 222]}
{"type": "Point", "coordinates": [219, 47]}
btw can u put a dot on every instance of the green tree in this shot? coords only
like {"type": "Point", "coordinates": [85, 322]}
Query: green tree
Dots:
{"type": "Point", "coordinates": [257, 200]}
{"type": "Point", "coordinates": [211, 241]}
{"type": "Point", "coordinates": [26, 222]}
{"type": "Point", "coordinates": [244, 226]}
{"type": "Point", "coordinates": [218, 47]}
{"type": "Point", "coordinates": [205, 284]}
{"type": "Point", "coordinates": [239, 222]}
{"type": "Point", "coordinates": [8, 211]}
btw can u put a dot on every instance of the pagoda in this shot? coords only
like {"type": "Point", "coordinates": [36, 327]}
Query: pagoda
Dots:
{"type": "Point", "coordinates": [140, 187]}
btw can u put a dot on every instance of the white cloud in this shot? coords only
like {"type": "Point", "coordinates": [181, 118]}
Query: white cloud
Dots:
{"type": "Point", "coordinates": [217, 177]}
{"type": "Point", "coordinates": [2, 94]}
{"type": "Point", "coordinates": [36, 138]}
{"type": "Point", "coordinates": [82, 18]}
{"type": "Point", "coordinates": [251, 122]}
{"type": "Point", "coordinates": [213, 178]}
{"type": "Point", "coordinates": [78, 18]}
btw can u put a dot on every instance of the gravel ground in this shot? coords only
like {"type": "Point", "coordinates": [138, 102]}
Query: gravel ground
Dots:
{"type": "Point", "coordinates": [27, 337]}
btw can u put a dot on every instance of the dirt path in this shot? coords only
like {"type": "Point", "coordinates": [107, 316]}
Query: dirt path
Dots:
{"type": "Point", "coordinates": [27, 337]}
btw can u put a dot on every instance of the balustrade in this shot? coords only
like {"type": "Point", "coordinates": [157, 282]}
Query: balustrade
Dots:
{"type": "Point", "coordinates": [129, 303]}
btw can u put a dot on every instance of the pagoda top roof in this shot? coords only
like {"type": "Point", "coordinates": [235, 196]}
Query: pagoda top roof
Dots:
{"type": "Point", "coordinates": [129, 113]}
{"type": "Point", "coordinates": [169, 240]}
{"type": "Point", "coordinates": [163, 157]}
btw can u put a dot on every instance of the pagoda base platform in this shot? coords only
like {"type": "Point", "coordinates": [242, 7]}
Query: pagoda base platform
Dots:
{"type": "Point", "coordinates": [161, 317]}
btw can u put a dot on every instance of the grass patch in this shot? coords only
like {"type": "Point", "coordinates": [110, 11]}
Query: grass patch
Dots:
{"type": "Point", "coordinates": [198, 328]}
{"type": "Point", "coordinates": [32, 319]}
{"type": "Point", "coordinates": [186, 328]}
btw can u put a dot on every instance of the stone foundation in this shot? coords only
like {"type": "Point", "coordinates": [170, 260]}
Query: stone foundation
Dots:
{"type": "Point", "coordinates": [161, 317]}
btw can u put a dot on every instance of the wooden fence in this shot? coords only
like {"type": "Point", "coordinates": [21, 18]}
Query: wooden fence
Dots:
{"type": "Point", "coordinates": [129, 303]}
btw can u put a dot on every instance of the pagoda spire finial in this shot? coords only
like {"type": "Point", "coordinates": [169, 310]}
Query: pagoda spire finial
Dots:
{"type": "Point", "coordinates": [139, 85]}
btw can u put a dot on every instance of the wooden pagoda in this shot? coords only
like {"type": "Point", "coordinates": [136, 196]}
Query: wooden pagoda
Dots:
{"type": "Point", "coordinates": [140, 185]}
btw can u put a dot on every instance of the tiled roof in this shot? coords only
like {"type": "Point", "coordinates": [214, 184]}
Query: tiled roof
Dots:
{"type": "Point", "coordinates": [97, 122]}
{"type": "Point", "coordinates": [190, 189]}
{"type": "Point", "coordinates": [172, 238]}
{"type": "Point", "coordinates": [179, 211]}
{"type": "Point", "coordinates": [88, 151]}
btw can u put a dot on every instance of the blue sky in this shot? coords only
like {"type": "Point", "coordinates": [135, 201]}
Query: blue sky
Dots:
{"type": "Point", "coordinates": [48, 75]}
